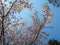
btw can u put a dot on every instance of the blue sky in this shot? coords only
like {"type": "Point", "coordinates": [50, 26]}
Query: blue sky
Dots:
{"type": "Point", "coordinates": [55, 32]}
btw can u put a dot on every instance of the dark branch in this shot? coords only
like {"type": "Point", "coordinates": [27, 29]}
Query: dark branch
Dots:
{"type": "Point", "coordinates": [38, 33]}
{"type": "Point", "coordinates": [10, 9]}
{"type": "Point", "coordinates": [2, 32]}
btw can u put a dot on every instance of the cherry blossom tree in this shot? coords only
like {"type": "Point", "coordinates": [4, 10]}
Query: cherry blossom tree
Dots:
{"type": "Point", "coordinates": [14, 31]}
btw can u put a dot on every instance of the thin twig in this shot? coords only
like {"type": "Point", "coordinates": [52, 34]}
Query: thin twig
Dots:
{"type": "Point", "coordinates": [10, 8]}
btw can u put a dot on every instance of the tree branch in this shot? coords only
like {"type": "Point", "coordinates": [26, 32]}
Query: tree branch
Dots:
{"type": "Point", "coordinates": [2, 32]}
{"type": "Point", "coordinates": [37, 34]}
{"type": "Point", "coordinates": [10, 9]}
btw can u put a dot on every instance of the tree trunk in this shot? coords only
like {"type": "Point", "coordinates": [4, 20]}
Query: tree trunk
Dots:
{"type": "Point", "coordinates": [2, 32]}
